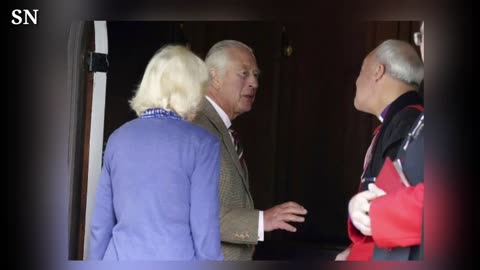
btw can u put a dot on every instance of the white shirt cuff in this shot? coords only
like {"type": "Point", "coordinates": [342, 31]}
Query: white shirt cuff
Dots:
{"type": "Point", "coordinates": [260, 226]}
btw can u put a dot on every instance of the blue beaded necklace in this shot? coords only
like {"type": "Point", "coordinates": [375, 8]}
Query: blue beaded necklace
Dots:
{"type": "Point", "coordinates": [159, 112]}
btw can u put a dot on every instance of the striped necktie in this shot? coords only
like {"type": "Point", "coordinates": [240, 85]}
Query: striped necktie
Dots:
{"type": "Point", "coordinates": [236, 143]}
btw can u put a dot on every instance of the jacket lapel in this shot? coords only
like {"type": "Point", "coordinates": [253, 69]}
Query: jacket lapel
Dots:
{"type": "Point", "coordinates": [215, 119]}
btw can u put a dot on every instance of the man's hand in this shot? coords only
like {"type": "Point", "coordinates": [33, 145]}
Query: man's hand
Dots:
{"type": "Point", "coordinates": [342, 256]}
{"type": "Point", "coordinates": [358, 209]}
{"type": "Point", "coordinates": [278, 216]}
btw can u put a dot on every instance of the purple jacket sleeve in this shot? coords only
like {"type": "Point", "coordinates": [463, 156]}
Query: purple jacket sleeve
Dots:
{"type": "Point", "coordinates": [103, 217]}
{"type": "Point", "coordinates": [204, 208]}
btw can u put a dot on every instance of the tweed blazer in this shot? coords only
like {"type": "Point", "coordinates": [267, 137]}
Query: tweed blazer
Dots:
{"type": "Point", "coordinates": [238, 218]}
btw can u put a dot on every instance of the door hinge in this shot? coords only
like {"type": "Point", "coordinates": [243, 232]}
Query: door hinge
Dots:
{"type": "Point", "coordinates": [97, 62]}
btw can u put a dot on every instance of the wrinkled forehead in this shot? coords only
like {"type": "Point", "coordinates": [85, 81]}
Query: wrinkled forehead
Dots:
{"type": "Point", "coordinates": [242, 58]}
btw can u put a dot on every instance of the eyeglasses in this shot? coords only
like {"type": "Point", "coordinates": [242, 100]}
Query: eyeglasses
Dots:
{"type": "Point", "coordinates": [418, 38]}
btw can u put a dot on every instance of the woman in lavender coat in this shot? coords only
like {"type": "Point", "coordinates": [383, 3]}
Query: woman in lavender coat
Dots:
{"type": "Point", "coordinates": [157, 196]}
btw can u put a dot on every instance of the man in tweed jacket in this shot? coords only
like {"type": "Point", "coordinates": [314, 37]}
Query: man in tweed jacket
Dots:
{"type": "Point", "coordinates": [232, 87]}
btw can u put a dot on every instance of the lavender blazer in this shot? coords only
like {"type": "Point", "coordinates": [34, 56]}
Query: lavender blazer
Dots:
{"type": "Point", "coordinates": [157, 196]}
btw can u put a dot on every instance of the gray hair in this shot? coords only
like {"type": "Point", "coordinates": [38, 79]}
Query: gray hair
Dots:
{"type": "Point", "coordinates": [217, 56]}
{"type": "Point", "coordinates": [401, 61]}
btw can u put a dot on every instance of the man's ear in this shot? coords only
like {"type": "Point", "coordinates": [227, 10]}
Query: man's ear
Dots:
{"type": "Point", "coordinates": [379, 72]}
{"type": "Point", "coordinates": [215, 78]}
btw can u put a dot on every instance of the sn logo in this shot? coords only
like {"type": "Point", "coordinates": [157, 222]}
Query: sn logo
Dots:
{"type": "Point", "coordinates": [27, 16]}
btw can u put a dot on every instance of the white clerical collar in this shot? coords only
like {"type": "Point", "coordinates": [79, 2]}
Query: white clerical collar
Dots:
{"type": "Point", "coordinates": [223, 115]}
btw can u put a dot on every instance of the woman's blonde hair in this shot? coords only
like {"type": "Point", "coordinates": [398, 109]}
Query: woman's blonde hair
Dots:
{"type": "Point", "coordinates": [175, 79]}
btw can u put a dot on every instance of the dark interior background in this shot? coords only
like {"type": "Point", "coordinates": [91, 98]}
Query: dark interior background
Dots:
{"type": "Point", "coordinates": [304, 141]}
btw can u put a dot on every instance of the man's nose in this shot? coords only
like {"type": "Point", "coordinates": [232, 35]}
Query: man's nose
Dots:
{"type": "Point", "coordinates": [253, 82]}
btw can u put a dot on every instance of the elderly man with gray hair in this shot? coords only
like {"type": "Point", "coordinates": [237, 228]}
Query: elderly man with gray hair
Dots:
{"type": "Point", "coordinates": [233, 83]}
{"type": "Point", "coordinates": [387, 88]}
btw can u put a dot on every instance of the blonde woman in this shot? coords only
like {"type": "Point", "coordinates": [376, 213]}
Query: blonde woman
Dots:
{"type": "Point", "coordinates": [157, 197]}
